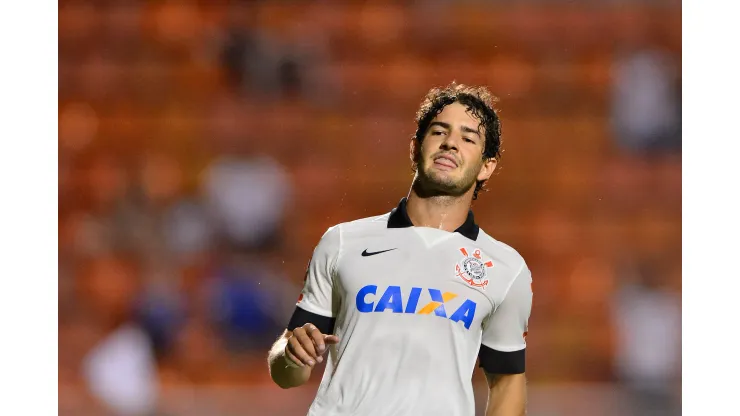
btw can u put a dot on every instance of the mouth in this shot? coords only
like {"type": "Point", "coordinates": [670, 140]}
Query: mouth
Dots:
{"type": "Point", "coordinates": [445, 162]}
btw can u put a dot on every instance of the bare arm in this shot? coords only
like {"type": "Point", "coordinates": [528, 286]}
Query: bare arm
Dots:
{"type": "Point", "coordinates": [294, 355]}
{"type": "Point", "coordinates": [507, 395]}
{"type": "Point", "coordinates": [281, 371]}
{"type": "Point", "coordinates": [503, 349]}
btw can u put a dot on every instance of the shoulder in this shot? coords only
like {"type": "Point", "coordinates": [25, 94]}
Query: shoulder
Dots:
{"type": "Point", "coordinates": [338, 235]}
{"type": "Point", "coordinates": [504, 253]}
{"type": "Point", "coordinates": [360, 227]}
{"type": "Point", "coordinates": [337, 238]}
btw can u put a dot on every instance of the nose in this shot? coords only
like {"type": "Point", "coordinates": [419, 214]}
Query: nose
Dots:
{"type": "Point", "coordinates": [451, 142]}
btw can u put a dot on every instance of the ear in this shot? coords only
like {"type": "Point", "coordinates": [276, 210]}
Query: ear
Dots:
{"type": "Point", "coordinates": [489, 165]}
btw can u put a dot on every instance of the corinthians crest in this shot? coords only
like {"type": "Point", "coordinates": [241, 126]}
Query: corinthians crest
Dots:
{"type": "Point", "coordinates": [472, 269]}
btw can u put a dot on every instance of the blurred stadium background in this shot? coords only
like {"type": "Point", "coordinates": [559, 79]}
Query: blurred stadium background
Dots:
{"type": "Point", "coordinates": [205, 146]}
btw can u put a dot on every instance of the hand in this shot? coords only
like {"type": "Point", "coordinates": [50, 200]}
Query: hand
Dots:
{"type": "Point", "coordinates": [307, 345]}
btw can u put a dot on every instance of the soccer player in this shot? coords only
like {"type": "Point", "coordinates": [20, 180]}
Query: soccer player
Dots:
{"type": "Point", "coordinates": [404, 303]}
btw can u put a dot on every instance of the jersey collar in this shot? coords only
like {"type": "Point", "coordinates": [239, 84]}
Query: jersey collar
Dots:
{"type": "Point", "coordinates": [399, 218]}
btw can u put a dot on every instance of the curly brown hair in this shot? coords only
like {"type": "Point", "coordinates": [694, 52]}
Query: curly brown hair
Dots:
{"type": "Point", "coordinates": [479, 101]}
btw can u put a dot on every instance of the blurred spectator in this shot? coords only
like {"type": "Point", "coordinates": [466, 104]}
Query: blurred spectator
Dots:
{"type": "Point", "coordinates": [646, 104]}
{"type": "Point", "coordinates": [170, 232]}
{"type": "Point", "coordinates": [162, 306]}
{"type": "Point", "coordinates": [165, 222]}
{"type": "Point", "coordinates": [245, 191]}
{"type": "Point", "coordinates": [249, 301]}
{"type": "Point", "coordinates": [304, 56]}
{"type": "Point", "coordinates": [246, 53]}
{"type": "Point", "coordinates": [119, 369]}
{"type": "Point", "coordinates": [648, 329]}
{"type": "Point", "coordinates": [280, 64]}
{"type": "Point", "coordinates": [247, 195]}
{"type": "Point", "coordinates": [121, 372]}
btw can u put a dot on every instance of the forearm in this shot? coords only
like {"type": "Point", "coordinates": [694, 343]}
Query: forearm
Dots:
{"type": "Point", "coordinates": [507, 395]}
{"type": "Point", "coordinates": [281, 373]}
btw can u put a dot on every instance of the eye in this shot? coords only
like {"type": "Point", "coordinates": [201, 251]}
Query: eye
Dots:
{"type": "Point", "coordinates": [437, 132]}
{"type": "Point", "coordinates": [468, 140]}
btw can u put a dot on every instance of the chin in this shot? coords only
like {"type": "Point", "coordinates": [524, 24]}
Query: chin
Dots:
{"type": "Point", "coordinates": [438, 184]}
{"type": "Point", "coordinates": [440, 179]}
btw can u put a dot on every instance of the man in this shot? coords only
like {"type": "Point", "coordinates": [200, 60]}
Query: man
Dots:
{"type": "Point", "coordinates": [405, 302]}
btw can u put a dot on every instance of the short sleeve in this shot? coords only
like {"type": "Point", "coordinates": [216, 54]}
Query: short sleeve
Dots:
{"type": "Point", "coordinates": [317, 303]}
{"type": "Point", "coordinates": [503, 343]}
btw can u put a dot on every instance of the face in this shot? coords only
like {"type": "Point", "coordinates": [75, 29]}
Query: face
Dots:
{"type": "Point", "coordinates": [450, 160]}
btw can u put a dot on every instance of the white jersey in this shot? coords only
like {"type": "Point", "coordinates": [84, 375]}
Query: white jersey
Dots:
{"type": "Point", "coordinates": [414, 308]}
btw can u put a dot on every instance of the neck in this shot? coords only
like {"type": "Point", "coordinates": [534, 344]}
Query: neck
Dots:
{"type": "Point", "coordinates": [443, 212]}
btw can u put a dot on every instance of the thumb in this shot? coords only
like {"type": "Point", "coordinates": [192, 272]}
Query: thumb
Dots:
{"type": "Point", "coordinates": [331, 339]}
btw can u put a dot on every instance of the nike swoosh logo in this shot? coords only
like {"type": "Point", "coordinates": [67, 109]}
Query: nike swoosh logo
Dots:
{"type": "Point", "coordinates": [367, 253]}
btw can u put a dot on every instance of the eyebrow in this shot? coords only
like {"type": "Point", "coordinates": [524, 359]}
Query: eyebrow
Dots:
{"type": "Point", "coordinates": [467, 129]}
{"type": "Point", "coordinates": [444, 125]}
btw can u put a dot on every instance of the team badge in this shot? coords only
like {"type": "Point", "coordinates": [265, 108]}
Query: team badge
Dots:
{"type": "Point", "coordinates": [472, 269]}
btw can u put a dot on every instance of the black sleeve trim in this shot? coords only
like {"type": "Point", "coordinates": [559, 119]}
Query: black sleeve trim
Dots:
{"type": "Point", "coordinates": [301, 317]}
{"type": "Point", "coordinates": [498, 362]}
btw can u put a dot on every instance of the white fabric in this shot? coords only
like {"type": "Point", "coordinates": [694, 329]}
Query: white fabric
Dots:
{"type": "Point", "coordinates": [397, 361]}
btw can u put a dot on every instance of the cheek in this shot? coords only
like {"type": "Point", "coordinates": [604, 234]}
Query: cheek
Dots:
{"type": "Point", "coordinates": [474, 163]}
{"type": "Point", "coordinates": [426, 150]}
{"type": "Point", "coordinates": [428, 144]}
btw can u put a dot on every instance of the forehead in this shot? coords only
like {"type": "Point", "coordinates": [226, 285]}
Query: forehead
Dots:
{"type": "Point", "coordinates": [457, 114]}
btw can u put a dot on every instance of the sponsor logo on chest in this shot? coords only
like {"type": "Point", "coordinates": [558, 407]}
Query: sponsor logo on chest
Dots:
{"type": "Point", "coordinates": [371, 299]}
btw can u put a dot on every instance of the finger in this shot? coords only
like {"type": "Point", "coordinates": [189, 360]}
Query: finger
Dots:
{"type": "Point", "coordinates": [306, 343]}
{"type": "Point", "coordinates": [331, 339]}
{"type": "Point", "coordinates": [289, 355]}
{"type": "Point", "coordinates": [318, 340]}
{"type": "Point", "coordinates": [295, 347]}
{"type": "Point", "coordinates": [295, 352]}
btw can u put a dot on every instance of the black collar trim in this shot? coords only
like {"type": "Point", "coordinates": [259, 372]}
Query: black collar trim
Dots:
{"type": "Point", "coordinates": [399, 218]}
